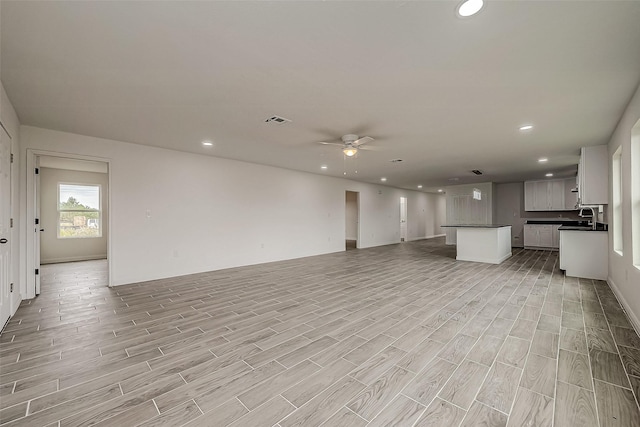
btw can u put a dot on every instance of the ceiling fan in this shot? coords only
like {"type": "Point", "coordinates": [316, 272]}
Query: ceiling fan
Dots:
{"type": "Point", "coordinates": [351, 144]}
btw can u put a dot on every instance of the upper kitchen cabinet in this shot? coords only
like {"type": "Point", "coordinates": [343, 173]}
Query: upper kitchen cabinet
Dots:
{"type": "Point", "coordinates": [593, 176]}
{"type": "Point", "coordinates": [549, 195]}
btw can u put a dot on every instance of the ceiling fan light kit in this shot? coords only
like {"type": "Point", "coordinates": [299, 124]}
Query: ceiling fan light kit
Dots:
{"type": "Point", "coordinates": [350, 144]}
{"type": "Point", "coordinates": [350, 151]}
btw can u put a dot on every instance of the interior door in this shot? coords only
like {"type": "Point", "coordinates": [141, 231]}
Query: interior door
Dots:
{"type": "Point", "coordinates": [403, 219]}
{"type": "Point", "coordinates": [37, 229]}
{"type": "Point", "coordinates": [5, 226]}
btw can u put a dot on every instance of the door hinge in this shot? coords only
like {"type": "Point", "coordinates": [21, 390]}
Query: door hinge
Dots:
{"type": "Point", "coordinates": [37, 271]}
{"type": "Point", "coordinates": [11, 157]}
{"type": "Point", "coordinates": [37, 171]}
{"type": "Point", "coordinates": [37, 221]}
{"type": "Point", "coordinates": [11, 287]}
{"type": "Point", "coordinates": [11, 223]}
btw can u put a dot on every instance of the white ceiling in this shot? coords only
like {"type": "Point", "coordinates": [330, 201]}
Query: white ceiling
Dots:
{"type": "Point", "coordinates": [444, 94]}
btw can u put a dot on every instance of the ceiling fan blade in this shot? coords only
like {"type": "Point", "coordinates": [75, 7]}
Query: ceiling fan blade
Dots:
{"type": "Point", "coordinates": [370, 148]}
{"type": "Point", "coordinates": [363, 140]}
{"type": "Point", "coordinates": [330, 143]}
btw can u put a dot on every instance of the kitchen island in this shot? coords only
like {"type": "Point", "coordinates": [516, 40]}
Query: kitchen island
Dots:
{"type": "Point", "coordinates": [488, 243]}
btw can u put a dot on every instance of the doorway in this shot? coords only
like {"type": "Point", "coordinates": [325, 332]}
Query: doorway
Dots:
{"type": "Point", "coordinates": [403, 219]}
{"type": "Point", "coordinates": [5, 226]}
{"type": "Point", "coordinates": [70, 202]}
{"type": "Point", "coordinates": [352, 219]}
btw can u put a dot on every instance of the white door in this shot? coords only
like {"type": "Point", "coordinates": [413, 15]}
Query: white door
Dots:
{"type": "Point", "coordinates": [403, 219]}
{"type": "Point", "coordinates": [5, 226]}
{"type": "Point", "coordinates": [36, 255]}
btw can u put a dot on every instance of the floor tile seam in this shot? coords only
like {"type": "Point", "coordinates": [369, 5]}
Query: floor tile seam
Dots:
{"type": "Point", "coordinates": [557, 361]}
{"type": "Point", "coordinates": [297, 408]}
{"type": "Point", "coordinates": [50, 408]}
{"type": "Point", "coordinates": [523, 366]}
{"type": "Point", "coordinates": [324, 424]}
{"type": "Point", "coordinates": [593, 380]}
{"type": "Point", "coordinates": [624, 368]}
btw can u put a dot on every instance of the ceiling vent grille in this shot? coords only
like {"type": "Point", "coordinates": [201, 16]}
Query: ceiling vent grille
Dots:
{"type": "Point", "coordinates": [277, 120]}
{"type": "Point", "coordinates": [477, 172]}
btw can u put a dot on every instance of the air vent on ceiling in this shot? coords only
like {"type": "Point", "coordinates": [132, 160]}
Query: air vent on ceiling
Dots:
{"type": "Point", "coordinates": [477, 172]}
{"type": "Point", "coordinates": [277, 120]}
{"type": "Point", "coordinates": [395, 160]}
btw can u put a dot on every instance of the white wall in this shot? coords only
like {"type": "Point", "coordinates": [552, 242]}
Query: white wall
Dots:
{"type": "Point", "coordinates": [208, 213]}
{"type": "Point", "coordinates": [510, 199]}
{"type": "Point", "coordinates": [53, 249]}
{"type": "Point", "coordinates": [425, 216]}
{"type": "Point", "coordinates": [624, 277]}
{"type": "Point", "coordinates": [10, 121]}
{"type": "Point", "coordinates": [463, 209]}
{"type": "Point", "coordinates": [351, 215]}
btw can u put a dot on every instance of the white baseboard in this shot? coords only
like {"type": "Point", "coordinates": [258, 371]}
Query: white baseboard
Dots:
{"type": "Point", "coordinates": [426, 237]}
{"type": "Point", "coordinates": [635, 322]}
{"type": "Point", "coordinates": [73, 259]}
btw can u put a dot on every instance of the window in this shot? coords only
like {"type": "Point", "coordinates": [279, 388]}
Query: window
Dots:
{"type": "Point", "coordinates": [79, 212]}
{"type": "Point", "coordinates": [617, 200]}
{"type": "Point", "coordinates": [635, 193]}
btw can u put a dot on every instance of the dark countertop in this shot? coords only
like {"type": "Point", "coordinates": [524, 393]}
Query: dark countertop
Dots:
{"type": "Point", "coordinates": [567, 222]}
{"type": "Point", "coordinates": [477, 225]}
{"type": "Point", "coordinates": [599, 227]}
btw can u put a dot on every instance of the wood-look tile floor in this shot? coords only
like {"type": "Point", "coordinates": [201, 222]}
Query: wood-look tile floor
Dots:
{"type": "Point", "coordinates": [401, 335]}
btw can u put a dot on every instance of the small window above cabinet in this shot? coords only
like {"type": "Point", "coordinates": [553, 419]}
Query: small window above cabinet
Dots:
{"type": "Point", "coordinates": [550, 195]}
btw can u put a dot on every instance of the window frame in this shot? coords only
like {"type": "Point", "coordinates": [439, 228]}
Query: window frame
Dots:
{"type": "Point", "coordinates": [59, 211]}
{"type": "Point", "coordinates": [635, 194]}
{"type": "Point", "coordinates": [616, 196]}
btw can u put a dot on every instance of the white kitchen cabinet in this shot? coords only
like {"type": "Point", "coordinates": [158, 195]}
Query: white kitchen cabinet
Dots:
{"type": "Point", "coordinates": [556, 235]}
{"type": "Point", "coordinates": [570, 196]}
{"type": "Point", "coordinates": [539, 236]}
{"type": "Point", "coordinates": [584, 254]}
{"type": "Point", "coordinates": [544, 195]}
{"type": "Point", "coordinates": [529, 195]}
{"type": "Point", "coordinates": [593, 176]}
{"type": "Point", "coordinates": [556, 194]}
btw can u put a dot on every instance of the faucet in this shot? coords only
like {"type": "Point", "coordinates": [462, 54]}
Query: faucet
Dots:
{"type": "Point", "coordinates": [593, 223]}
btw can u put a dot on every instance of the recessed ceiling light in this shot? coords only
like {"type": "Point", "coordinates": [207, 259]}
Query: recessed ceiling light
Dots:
{"type": "Point", "coordinates": [323, 167]}
{"type": "Point", "coordinates": [383, 179]}
{"type": "Point", "coordinates": [419, 186]}
{"type": "Point", "coordinates": [207, 143]}
{"type": "Point", "coordinates": [543, 160]}
{"type": "Point", "coordinates": [469, 7]}
{"type": "Point", "coordinates": [440, 190]}
{"type": "Point", "coordinates": [526, 127]}
{"type": "Point", "coordinates": [549, 174]}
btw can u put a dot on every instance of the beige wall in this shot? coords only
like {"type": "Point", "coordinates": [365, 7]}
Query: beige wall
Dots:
{"type": "Point", "coordinates": [624, 277]}
{"type": "Point", "coordinates": [53, 249]}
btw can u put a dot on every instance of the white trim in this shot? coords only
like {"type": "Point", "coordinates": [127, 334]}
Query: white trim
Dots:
{"type": "Point", "coordinates": [486, 260]}
{"type": "Point", "coordinates": [31, 154]}
{"type": "Point", "coordinates": [413, 239]}
{"type": "Point", "coordinates": [635, 322]}
{"type": "Point", "coordinates": [72, 259]}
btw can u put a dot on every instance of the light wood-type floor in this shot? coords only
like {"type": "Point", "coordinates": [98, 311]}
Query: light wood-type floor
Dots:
{"type": "Point", "coordinates": [401, 335]}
